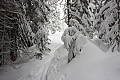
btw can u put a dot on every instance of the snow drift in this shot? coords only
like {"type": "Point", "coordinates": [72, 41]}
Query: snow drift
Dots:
{"type": "Point", "coordinates": [91, 64]}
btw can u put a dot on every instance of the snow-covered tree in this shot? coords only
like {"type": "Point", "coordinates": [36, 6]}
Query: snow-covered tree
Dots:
{"type": "Point", "coordinates": [107, 23]}
{"type": "Point", "coordinates": [20, 21]}
{"type": "Point", "coordinates": [78, 16]}
{"type": "Point", "coordinates": [36, 12]}
{"type": "Point", "coordinates": [55, 19]}
{"type": "Point", "coordinates": [9, 27]}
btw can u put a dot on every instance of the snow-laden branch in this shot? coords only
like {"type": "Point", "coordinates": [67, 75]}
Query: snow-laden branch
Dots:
{"type": "Point", "coordinates": [78, 26]}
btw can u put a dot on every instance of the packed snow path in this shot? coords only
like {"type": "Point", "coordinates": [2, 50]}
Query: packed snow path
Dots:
{"type": "Point", "coordinates": [33, 69]}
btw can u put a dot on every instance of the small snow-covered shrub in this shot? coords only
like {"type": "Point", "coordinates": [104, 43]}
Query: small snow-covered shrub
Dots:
{"type": "Point", "coordinates": [68, 36]}
{"type": "Point", "coordinates": [76, 46]}
{"type": "Point", "coordinates": [80, 41]}
{"type": "Point", "coordinates": [73, 41]}
{"type": "Point", "coordinates": [67, 42]}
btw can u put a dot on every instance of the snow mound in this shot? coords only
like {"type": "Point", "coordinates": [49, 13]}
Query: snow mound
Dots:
{"type": "Point", "coordinates": [91, 64]}
{"type": "Point", "coordinates": [99, 43]}
{"type": "Point", "coordinates": [80, 42]}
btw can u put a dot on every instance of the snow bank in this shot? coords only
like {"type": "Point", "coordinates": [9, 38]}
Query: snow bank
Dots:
{"type": "Point", "coordinates": [91, 64]}
{"type": "Point", "coordinates": [99, 43]}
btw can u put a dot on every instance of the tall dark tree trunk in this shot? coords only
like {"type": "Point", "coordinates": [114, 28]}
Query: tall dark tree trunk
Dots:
{"type": "Point", "coordinates": [68, 6]}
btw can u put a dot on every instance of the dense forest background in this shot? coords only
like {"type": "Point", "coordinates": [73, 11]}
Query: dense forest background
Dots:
{"type": "Point", "coordinates": [24, 23]}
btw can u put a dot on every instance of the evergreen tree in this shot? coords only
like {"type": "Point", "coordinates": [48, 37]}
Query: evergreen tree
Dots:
{"type": "Point", "coordinates": [79, 16]}
{"type": "Point", "coordinates": [19, 19]}
{"type": "Point", "coordinates": [54, 17]}
{"type": "Point", "coordinates": [36, 12]}
{"type": "Point", "coordinates": [107, 23]}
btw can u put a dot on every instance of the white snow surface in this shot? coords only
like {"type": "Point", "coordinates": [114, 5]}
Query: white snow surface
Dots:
{"type": "Point", "coordinates": [33, 69]}
{"type": "Point", "coordinates": [91, 64]}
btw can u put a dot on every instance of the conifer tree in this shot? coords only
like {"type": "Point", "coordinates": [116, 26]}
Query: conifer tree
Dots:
{"type": "Point", "coordinates": [107, 23]}
{"type": "Point", "coordinates": [18, 20]}
{"type": "Point", "coordinates": [79, 16]}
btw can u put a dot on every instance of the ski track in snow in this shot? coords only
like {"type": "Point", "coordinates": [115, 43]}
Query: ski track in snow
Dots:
{"type": "Point", "coordinates": [47, 63]}
{"type": "Point", "coordinates": [39, 73]}
{"type": "Point", "coordinates": [59, 60]}
{"type": "Point", "coordinates": [34, 69]}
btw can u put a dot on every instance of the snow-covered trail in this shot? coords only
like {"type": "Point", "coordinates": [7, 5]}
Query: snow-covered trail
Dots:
{"type": "Point", "coordinates": [56, 43]}
{"type": "Point", "coordinates": [39, 73]}
{"type": "Point", "coordinates": [33, 69]}
{"type": "Point", "coordinates": [57, 65]}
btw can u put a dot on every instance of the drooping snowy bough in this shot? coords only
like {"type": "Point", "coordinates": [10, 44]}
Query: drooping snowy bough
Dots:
{"type": "Point", "coordinates": [73, 41]}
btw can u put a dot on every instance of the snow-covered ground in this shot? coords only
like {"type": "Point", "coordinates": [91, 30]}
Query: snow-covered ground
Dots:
{"type": "Point", "coordinates": [34, 69]}
{"type": "Point", "coordinates": [91, 64]}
